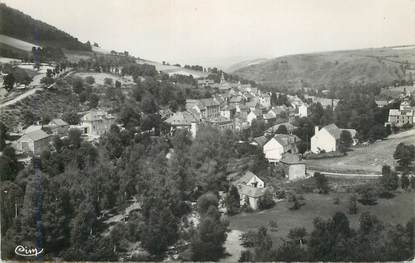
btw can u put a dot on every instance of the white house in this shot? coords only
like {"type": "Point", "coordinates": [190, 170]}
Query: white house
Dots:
{"type": "Point", "coordinates": [96, 123]}
{"type": "Point", "coordinates": [251, 188]}
{"type": "Point", "coordinates": [302, 111]}
{"type": "Point", "coordinates": [326, 139]}
{"type": "Point", "coordinates": [33, 142]}
{"type": "Point", "coordinates": [265, 100]}
{"type": "Point", "coordinates": [253, 115]}
{"type": "Point", "coordinates": [294, 169]}
{"type": "Point", "coordinates": [183, 120]}
{"type": "Point", "coordinates": [278, 145]}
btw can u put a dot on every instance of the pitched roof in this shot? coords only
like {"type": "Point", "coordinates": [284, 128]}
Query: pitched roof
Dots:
{"type": "Point", "coordinates": [252, 103]}
{"type": "Point", "coordinates": [209, 102]}
{"type": "Point", "coordinates": [58, 122]}
{"type": "Point", "coordinates": [286, 139]}
{"type": "Point", "coordinates": [257, 112]}
{"type": "Point", "coordinates": [32, 128]}
{"type": "Point", "coordinates": [333, 130]}
{"type": "Point", "coordinates": [394, 112]}
{"type": "Point", "coordinates": [181, 118]}
{"type": "Point", "coordinates": [289, 158]}
{"type": "Point", "coordinates": [287, 125]}
{"type": "Point", "coordinates": [236, 99]}
{"type": "Point", "coordinates": [35, 135]}
{"type": "Point", "coordinates": [268, 116]}
{"type": "Point", "coordinates": [251, 191]}
{"type": "Point", "coordinates": [95, 115]}
{"type": "Point", "coordinates": [261, 140]}
{"type": "Point", "coordinates": [246, 177]}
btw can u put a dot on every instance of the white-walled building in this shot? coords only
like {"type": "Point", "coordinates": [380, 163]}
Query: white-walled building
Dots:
{"type": "Point", "coordinates": [251, 188]}
{"type": "Point", "coordinates": [96, 123]}
{"type": "Point", "coordinates": [327, 138]}
{"type": "Point", "coordinates": [278, 145]}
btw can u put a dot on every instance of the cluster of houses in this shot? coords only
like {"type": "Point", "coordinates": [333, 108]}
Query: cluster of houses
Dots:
{"type": "Point", "coordinates": [234, 107]}
{"type": "Point", "coordinates": [405, 115]}
{"type": "Point", "coordinates": [281, 150]}
{"type": "Point", "coordinates": [37, 138]}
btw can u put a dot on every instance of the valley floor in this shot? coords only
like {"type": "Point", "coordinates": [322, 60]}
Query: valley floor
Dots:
{"type": "Point", "coordinates": [399, 210]}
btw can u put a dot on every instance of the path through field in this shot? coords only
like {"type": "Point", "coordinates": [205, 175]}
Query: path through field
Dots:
{"type": "Point", "coordinates": [233, 246]}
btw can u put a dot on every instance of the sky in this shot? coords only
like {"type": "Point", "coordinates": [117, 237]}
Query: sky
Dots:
{"type": "Point", "coordinates": [209, 32]}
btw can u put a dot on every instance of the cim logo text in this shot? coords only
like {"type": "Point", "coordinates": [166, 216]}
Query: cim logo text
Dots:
{"type": "Point", "coordinates": [27, 252]}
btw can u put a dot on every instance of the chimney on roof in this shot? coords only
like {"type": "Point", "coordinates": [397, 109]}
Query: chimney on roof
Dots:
{"type": "Point", "coordinates": [316, 129]}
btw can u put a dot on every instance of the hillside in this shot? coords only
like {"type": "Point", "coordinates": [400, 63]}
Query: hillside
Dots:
{"type": "Point", "coordinates": [245, 63]}
{"type": "Point", "coordinates": [16, 24]}
{"type": "Point", "coordinates": [326, 69]}
{"type": "Point", "coordinates": [171, 69]}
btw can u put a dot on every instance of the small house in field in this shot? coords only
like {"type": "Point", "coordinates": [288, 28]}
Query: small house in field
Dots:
{"type": "Point", "coordinates": [58, 127]}
{"type": "Point", "coordinates": [34, 142]}
{"type": "Point", "coordinates": [294, 169]}
{"type": "Point", "coordinates": [250, 188]}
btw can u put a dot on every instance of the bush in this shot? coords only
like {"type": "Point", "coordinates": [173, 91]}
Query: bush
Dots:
{"type": "Point", "coordinates": [295, 202]}
{"type": "Point", "coordinates": [323, 155]}
{"type": "Point", "coordinates": [367, 195]}
{"type": "Point", "coordinates": [353, 205]}
{"type": "Point", "coordinates": [246, 256]}
{"type": "Point", "coordinates": [405, 181]}
{"type": "Point", "coordinates": [321, 183]}
{"type": "Point", "coordinates": [248, 239]}
{"type": "Point", "coordinates": [266, 201]}
{"type": "Point", "coordinates": [90, 80]}
{"type": "Point", "coordinates": [273, 225]}
{"type": "Point", "coordinates": [280, 194]}
{"type": "Point", "coordinates": [205, 201]}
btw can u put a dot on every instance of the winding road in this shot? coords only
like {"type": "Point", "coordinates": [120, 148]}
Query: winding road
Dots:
{"type": "Point", "coordinates": [36, 86]}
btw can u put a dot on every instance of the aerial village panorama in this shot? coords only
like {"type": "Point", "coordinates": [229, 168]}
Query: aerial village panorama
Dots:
{"type": "Point", "coordinates": [110, 155]}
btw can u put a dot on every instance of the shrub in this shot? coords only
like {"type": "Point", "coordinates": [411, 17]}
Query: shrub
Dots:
{"type": "Point", "coordinates": [246, 256]}
{"type": "Point", "coordinates": [205, 201]}
{"type": "Point", "coordinates": [273, 225]}
{"type": "Point", "coordinates": [280, 194]}
{"type": "Point", "coordinates": [321, 183]}
{"type": "Point", "coordinates": [353, 205]}
{"type": "Point", "coordinates": [367, 195]}
{"type": "Point", "coordinates": [266, 201]}
{"type": "Point", "coordinates": [248, 239]}
{"type": "Point", "coordinates": [405, 181]}
{"type": "Point", "coordinates": [295, 202]}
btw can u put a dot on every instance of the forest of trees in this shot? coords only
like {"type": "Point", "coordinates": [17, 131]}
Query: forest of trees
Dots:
{"type": "Point", "coordinates": [16, 24]}
{"type": "Point", "coordinates": [333, 239]}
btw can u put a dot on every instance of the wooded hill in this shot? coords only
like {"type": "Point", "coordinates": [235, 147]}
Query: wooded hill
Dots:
{"type": "Point", "coordinates": [337, 68]}
{"type": "Point", "coordinates": [16, 24]}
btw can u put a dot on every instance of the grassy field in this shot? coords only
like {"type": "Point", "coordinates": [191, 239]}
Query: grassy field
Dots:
{"type": "Point", "coordinates": [396, 210]}
{"type": "Point", "coordinates": [370, 158]}
{"type": "Point", "coordinates": [99, 77]}
{"type": "Point", "coordinates": [14, 42]}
